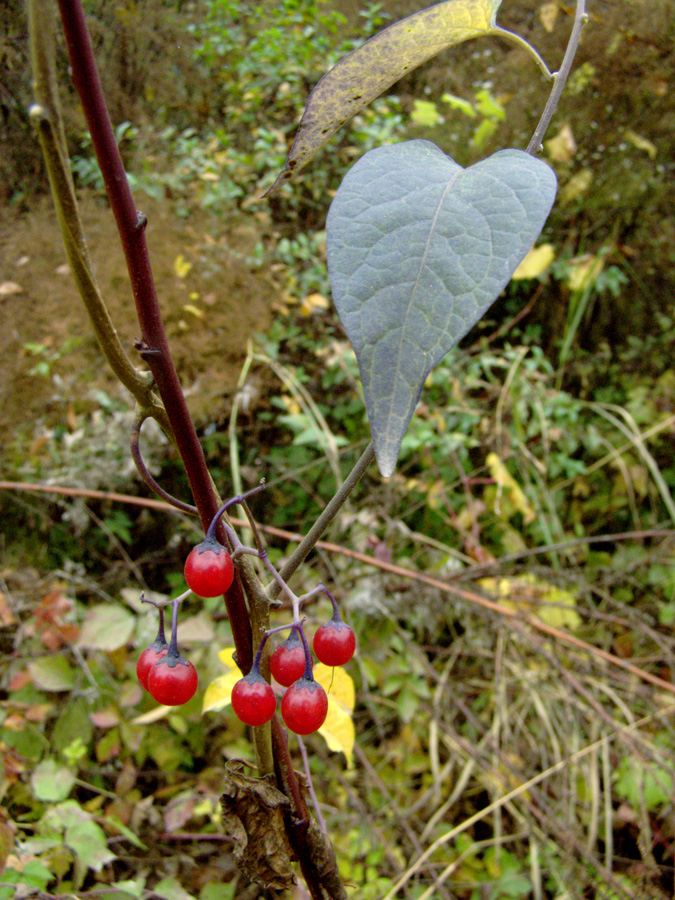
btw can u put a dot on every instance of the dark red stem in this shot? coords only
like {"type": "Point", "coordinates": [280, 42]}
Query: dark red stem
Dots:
{"type": "Point", "coordinates": [153, 346]}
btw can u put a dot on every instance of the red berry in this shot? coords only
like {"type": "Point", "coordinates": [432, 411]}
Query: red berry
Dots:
{"type": "Point", "coordinates": [146, 661]}
{"type": "Point", "coordinates": [172, 680]}
{"type": "Point", "coordinates": [334, 643]}
{"type": "Point", "coordinates": [287, 663]}
{"type": "Point", "coordinates": [253, 699]}
{"type": "Point", "coordinates": [305, 706]}
{"type": "Point", "coordinates": [209, 570]}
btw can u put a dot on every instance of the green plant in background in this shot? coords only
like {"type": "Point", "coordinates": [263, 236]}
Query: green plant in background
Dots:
{"type": "Point", "coordinates": [485, 109]}
{"type": "Point", "coordinates": [46, 355]}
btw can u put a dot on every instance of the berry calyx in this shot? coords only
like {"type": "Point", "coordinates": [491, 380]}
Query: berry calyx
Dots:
{"type": "Point", "coordinates": [334, 642]}
{"type": "Point", "coordinates": [172, 680]}
{"type": "Point", "coordinates": [253, 699]}
{"type": "Point", "coordinates": [305, 706]}
{"type": "Point", "coordinates": [209, 570]}
{"type": "Point", "coordinates": [152, 653]}
{"type": "Point", "coordinates": [288, 661]}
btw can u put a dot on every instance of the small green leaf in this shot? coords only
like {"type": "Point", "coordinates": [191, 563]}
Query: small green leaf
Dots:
{"type": "Point", "coordinates": [52, 673]}
{"type": "Point", "coordinates": [170, 889]}
{"type": "Point", "coordinates": [87, 840]}
{"type": "Point", "coordinates": [366, 72]}
{"type": "Point", "coordinates": [51, 782]}
{"type": "Point", "coordinates": [73, 723]}
{"type": "Point", "coordinates": [425, 112]}
{"type": "Point", "coordinates": [418, 248]}
{"type": "Point", "coordinates": [106, 627]}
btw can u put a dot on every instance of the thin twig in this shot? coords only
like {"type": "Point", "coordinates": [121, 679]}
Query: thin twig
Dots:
{"type": "Point", "coordinates": [332, 509]}
{"type": "Point", "coordinates": [559, 80]}
{"type": "Point", "coordinates": [135, 448]}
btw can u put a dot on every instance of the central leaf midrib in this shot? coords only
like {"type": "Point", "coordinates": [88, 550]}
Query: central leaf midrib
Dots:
{"type": "Point", "coordinates": [425, 254]}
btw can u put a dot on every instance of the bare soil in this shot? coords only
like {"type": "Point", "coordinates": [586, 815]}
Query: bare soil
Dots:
{"type": "Point", "coordinates": [209, 310]}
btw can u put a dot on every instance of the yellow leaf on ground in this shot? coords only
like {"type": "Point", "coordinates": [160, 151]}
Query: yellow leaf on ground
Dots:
{"type": "Point", "coordinates": [576, 186]}
{"type": "Point", "coordinates": [548, 13]}
{"type": "Point", "coordinates": [536, 262]}
{"type": "Point", "coordinates": [642, 143]}
{"type": "Point", "coordinates": [562, 146]}
{"type": "Point", "coordinates": [313, 303]}
{"type": "Point", "coordinates": [584, 270]}
{"type": "Point", "coordinates": [507, 483]}
{"type": "Point", "coordinates": [181, 266]}
{"type": "Point", "coordinates": [194, 310]}
{"type": "Point", "coordinates": [553, 605]}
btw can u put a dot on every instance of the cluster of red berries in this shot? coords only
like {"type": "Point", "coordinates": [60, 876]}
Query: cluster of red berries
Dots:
{"type": "Point", "coordinates": [161, 669]}
{"type": "Point", "coordinates": [304, 706]}
{"type": "Point", "coordinates": [172, 680]}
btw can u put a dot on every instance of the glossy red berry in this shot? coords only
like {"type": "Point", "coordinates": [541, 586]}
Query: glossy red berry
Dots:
{"type": "Point", "coordinates": [209, 570]}
{"type": "Point", "coordinates": [147, 659]}
{"type": "Point", "coordinates": [305, 706]}
{"type": "Point", "coordinates": [334, 643]}
{"type": "Point", "coordinates": [287, 663]}
{"type": "Point", "coordinates": [253, 699]}
{"type": "Point", "coordinates": [172, 680]}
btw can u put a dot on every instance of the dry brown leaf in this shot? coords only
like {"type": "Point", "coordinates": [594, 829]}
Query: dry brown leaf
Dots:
{"type": "Point", "coordinates": [253, 816]}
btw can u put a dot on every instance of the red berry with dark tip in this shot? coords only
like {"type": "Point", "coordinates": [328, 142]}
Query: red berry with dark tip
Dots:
{"type": "Point", "coordinates": [253, 699]}
{"type": "Point", "coordinates": [209, 570]}
{"type": "Point", "coordinates": [147, 659]}
{"type": "Point", "coordinates": [305, 706]}
{"type": "Point", "coordinates": [334, 643]}
{"type": "Point", "coordinates": [173, 680]}
{"type": "Point", "coordinates": [287, 663]}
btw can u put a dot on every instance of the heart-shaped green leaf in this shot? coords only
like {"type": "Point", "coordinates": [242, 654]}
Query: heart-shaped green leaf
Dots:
{"type": "Point", "coordinates": [418, 249]}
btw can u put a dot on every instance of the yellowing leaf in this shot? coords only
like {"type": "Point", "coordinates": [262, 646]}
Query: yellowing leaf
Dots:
{"type": "Point", "coordinates": [535, 263]}
{"type": "Point", "coordinates": [194, 310]}
{"type": "Point", "coordinates": [181, 266]}
{"type": "Point", "coordinates": [338, 729]}
{"type": "Point", "coordinates": [312, 303]}
{"type": "Point", "coordinates": [642, 143]}
{"type": "Point", "coordinates": [226, 656]}
{"type": "Point", "coordinates": [553, 605]}
{"type": "Point", "coordinates": [584, 270]}
{"type": "Point", "coordinates": [576, 186]}
{"type": "Point", "coordinates": [369, 70]}
{"type": "Point", "coordinates": [562, 146]}
{"type": "Point", "coordinates": [337, 684]}
{"type": "Point", "coordinates": [548, 13]}
{"type": "Point", "coordinates": [507, 484]}
{"type": "Point", "coordinates": [218, 694]}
